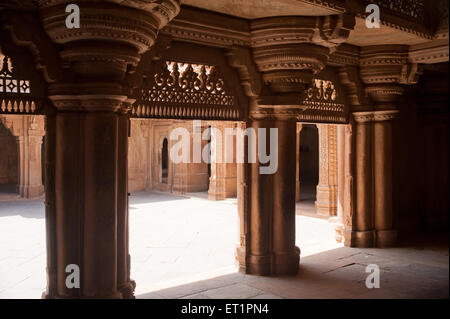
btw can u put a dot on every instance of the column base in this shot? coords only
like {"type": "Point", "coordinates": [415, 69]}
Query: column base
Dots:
{"type": "Point", "coordinates": [386, 238]}
{"type": "Point", "coordinates": [46, 296]}
{"type": "Point", "coordinates": [127, 290]}
{"type": "Point", "coordinates": [277, 265]}
{"type": "Point", "coordinates": [216, 196]}
{"type": "Point", "coordinates": [359, 239]}
{"type": "Point", "coordinates": [259, 265]}
{"type": "Point", "coordinates": [30, 191]}
{"type": "Point", "coordinates": [326, 200]}
{"type": "Point", "coordinates": [240, 258]}
{"type": "Point", "coordinates": [324, 209]}
{"type": "Point", "coordinates": [117, 295]}
{"type": "Point", "coordinates": [286, 264]}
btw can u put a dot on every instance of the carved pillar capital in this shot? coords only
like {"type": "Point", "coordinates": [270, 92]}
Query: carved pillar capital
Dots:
{"type": "Point", "coordinates": [97, 57]}
{"type": "Point", "coordinates": [134, 23]}
{"type": "Point", "coordinates": [384, 69]}
{"type": "Point", "coordinates": [289, 51]}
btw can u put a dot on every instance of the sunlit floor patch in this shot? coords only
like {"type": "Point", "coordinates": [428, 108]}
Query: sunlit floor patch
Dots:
{"type": "Point", "coordinates": [174, 240]}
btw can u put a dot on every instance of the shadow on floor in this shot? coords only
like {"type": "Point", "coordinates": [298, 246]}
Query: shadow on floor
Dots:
{"type": "Point", "coordinates": [335, 274]}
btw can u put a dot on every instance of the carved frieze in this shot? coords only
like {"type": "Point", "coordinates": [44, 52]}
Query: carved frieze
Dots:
{"type": "Point", "coordinates": [185, 90]}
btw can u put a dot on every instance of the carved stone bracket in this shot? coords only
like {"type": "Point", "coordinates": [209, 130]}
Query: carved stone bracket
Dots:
{"type": "Point", "coordinates": [289, 51]}
{"type": "Point", "coordinates": [388, 64]}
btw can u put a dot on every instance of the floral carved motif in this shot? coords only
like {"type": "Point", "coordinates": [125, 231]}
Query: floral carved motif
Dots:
{"type": "Point", "coordinates": [324, 103]}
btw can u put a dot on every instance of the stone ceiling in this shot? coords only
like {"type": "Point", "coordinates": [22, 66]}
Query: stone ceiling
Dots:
{"type": "Point", "coordinates": [253, 9]}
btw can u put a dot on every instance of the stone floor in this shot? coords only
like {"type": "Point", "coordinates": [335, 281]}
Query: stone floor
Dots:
{"type": "Point", "coordinates": [183, 247]}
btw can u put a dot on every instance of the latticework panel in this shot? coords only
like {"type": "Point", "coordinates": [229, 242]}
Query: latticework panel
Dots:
{"type": "Point", "coordinates": [185, 91]}
{"type": "Point", "coordinates": [16, 96]}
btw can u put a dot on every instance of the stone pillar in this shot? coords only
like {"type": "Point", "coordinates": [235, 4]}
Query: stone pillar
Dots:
{"type": "Point", "coordinates": [326, 203]}
{"type": "Point", "coordinates": [286, 254]}
{"type": "Point", "coordinates": [260, 215]}
{"type": "Point", "coordinates": [384, 98]}
{"type": "Point", "coordinates": [384, 69]}
{"type": "Point", "coordinates": [297, 164]}
{"type": "Point", "coordinates": [87, 204]}
{"type": "Point", "coordinates": [363, 229]}
{"type": "Point", "coordinates": [348, 207]}
{"type": "Point", "coordinates": [222, 182]}
{"type": "Point", "coordinates": [286, 54]}
{"type": "Point", "coordinates": [244, 202]}
{"type": "Point", "coordinates": [272, 209]}
{"type": "Point", "coordinates": [339, 221]}
{"type": "Point", "coordinates": [87, 181]}
{"type": "Point", "coordinates": [124, 283]}
{"type": "Point", "coordinates": [386, 235]}
{"type": "Point", "coordinates": [374, 224]}
{"type": "Point", "coordinates": [193, 175]}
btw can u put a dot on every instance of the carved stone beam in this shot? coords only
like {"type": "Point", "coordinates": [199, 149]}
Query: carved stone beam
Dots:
{"type": "Point", "coordinates": [289, 51]}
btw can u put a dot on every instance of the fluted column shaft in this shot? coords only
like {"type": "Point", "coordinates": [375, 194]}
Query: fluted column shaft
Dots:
{"type": "Point", "coordinates": [261, 190]}
{"type": "Point", "coordinates": [384, 69]}
{"type": "Point", "coordinates": [339, 224]}
{"type": "Point", "coordinates": [386, 235]}
{"type": "Point", "coordinates": [286, 254]}
{"type": "Point", "coordinates": [297, 173]}
{"type": "Point", "coordinates": [363, 234]}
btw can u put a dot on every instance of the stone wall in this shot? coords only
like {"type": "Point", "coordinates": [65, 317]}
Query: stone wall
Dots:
{"type": "Point", "coordinates": [138, 155]}
{"type": "Point", "coordinates": [21, 138]}
{"type": "Point", "coordinates": [421, 157]}
{"type": "Point", "coordinates": [8, 157]}
{"type": "Point", "coordinates": [145, 161]}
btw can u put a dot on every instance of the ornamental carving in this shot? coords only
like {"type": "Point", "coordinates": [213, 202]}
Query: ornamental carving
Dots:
{"type": "Point", "coordinates": [185, 90]}
{"type": "Point", "coordinates": [410, 9]}
{"type": "Point", "coordinates": [290, 51]}
{"type": "Point", "coordinates": [15, 91]}
{"type": "Point", "coordinates": [324, 103]}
